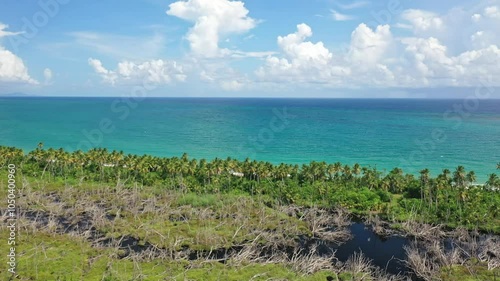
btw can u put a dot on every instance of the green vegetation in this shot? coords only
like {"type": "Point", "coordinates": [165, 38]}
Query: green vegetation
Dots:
{"type": "Point", "coordinates": [450, 198]}
{"type": "Point", "coordinates": [93, 231]}
{"type": "Point", "coordinates": [61, 257]}
{"type": "Point", "coordinates": [105, 215]}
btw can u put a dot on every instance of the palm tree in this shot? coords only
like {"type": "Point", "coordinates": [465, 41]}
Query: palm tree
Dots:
{"type": "Point", "coordinates": [459, 176]}
{"type": "Point", "coordinates": [48, 159]}
{"type": "Point", "coordinates": [79, 162]}
{"type": "Point", "coordinates": [331, 171]}
{"type": "Point", "coordinates": [396, 180]}
{"type": "Point", "coordinates": [356, 169]}
{"type": "Point", "coordinates": [64, 160]}
{"type": "Point", "coordinates": [498, 166]}
{"type": "Point", "coordinates": [424, 181]}
{"type": "Point", "coordinates": [252, 170]}
{"type": "Point", "coordinates": [262, 171]}
{"type": "Point", "coordinates": [385, 184]}
{"type": "Point", "coordinates": [492, 180]}
{"type": "Point", "coordinates": [347, 173]}
{"type": "Point", "coordinates": [337, 168]}
{"type": "Point", "coordinates": [439, 184]}
{"type": "Point", "coordinates": [281, 172]}
{"type": "Point", "coordinates": [370, 178]}
{"type": "Point", "coordinates": [471, 177]}
{"type": "Point", "coordinates": [306, 172]}
{"type": "Point", "coordinates": [322, 170]}
{"type": "Point", "coordinates": [446, 173]}
{"type": "Point", "coordinates": [191, 167]}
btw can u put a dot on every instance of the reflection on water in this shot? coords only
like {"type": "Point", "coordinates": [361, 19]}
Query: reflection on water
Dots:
{"type": "Point", "coordinates": [385, 252]}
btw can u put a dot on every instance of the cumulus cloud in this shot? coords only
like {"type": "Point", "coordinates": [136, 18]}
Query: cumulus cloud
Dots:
{"type": "Point", "coordinates": [106, 75]}
{"type": "Point", "coordinates": [369, 46]}
{"type": "Point", "coordinates": [302, 52]}
{"type": "Point", "coordinates": [428, 59]}
{"type": "Point", "coordinates": [212, 21]}
{"type": "Point", "coordinates": [12, 68]}
{"type": "Point", "coordinates": [375, 58]}
{"type": "Point", "coordinates": [302, 61]}
{"type": "Point", "coordinates": [423, 21]}
{"type": "Point", "coordinates": [305, 61]}
{"type": "Point", "coordinates": [481, 64]}
{"type": "Point", "coordinates": [157, 72]}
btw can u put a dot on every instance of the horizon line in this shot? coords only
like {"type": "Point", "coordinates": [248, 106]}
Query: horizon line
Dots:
{"type": "Point", "coordinates": [248, 97]}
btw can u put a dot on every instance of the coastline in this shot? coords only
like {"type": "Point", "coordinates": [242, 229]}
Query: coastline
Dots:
{"type": "Point", "coordinates": [381, 133]}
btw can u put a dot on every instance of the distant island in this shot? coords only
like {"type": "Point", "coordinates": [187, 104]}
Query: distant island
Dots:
{"type": "Point", "coordinates": [16, 94]}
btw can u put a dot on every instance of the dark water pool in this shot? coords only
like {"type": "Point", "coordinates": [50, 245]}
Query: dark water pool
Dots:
{"type": "Point", "coordinates": [385, 252]}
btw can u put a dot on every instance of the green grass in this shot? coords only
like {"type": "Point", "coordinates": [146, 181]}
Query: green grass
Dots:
{"type": "Point", "coordinates": [168, 219]}
{"type": "Point", "coordinates": [198, 200]}
{"type": "Point", "coordinates": [51, 257]}
{"type": "Point", "coordinates": [476, 272]}
{"type": "Point", "coordinates": [60, 257]}
{"type": "Point", "coordinates": [213, 221]}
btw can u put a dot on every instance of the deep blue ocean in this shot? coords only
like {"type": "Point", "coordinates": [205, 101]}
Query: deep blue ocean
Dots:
{"type": "Point", "coordinates": [409, 133]}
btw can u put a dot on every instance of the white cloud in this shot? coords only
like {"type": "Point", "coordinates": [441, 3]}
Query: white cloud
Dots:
{"type": "Point", "coordinates": [423, 21]}
{"type": "Point", "coordinates": [12, 68]}
{"type": "Point", "coordinates": [232, 85]}
{"type": "Point", "coordinates": [483, 39]}
{"type": "Point", "coordinates": [212, 21]}
{"type": "Point", "coordinates": [206, 77]}
{"type": "Point", "coordinates": [157, 72]}
{"type": "Point", "coordinates": [304, 52]}
{"type": "Point", "coordinates": [107, 76]}
{"type": "Point", "coordinates": [476, 17]}
{"type": "Point", "coordinates": [341, 17]}
{"type": "Point", "coordinates": [353, 5]}
{"type": "Point", "coordinates": [308, 62]}
{"type": "Point", "coordinates": [492, 12]}
{"type": "Point", "coordinates": [403, 26]}
{"type": "Point", "coordinates": [241, 54]}
{"type": "Point", "coordinates": [369, 46]}
{"type": "Point", "coordinates": [220, 74]}
{"type": "Point", "coordinates": [428, 59]}
{"type": "Point", "coordinates": [303, 61]}
{"type": "Point", "coordinates": [481, 64]}
{"type": "Point", "coordinates": [376, 59]}
{"type": "Point", "coordinates": [47, 74]}
{"type": "Point", "coordinates": [4, 33]}
{"type": "Point", "coordinates": [455, 27]}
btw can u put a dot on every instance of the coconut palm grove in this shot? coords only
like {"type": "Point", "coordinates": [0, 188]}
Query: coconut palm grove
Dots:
{"type": "Point", "coordinates": [115, 216]}
{"type": "Point", "coordinates": [238, 140]}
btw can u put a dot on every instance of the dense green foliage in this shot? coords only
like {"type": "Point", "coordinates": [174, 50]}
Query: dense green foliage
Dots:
{"type": "Point", "coordinates": [175, 204]}
{"type": "Point", "coordinates": [450, 198]}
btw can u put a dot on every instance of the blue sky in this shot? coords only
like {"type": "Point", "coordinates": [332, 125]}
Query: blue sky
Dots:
{"type": "Point", "coordinates": [274, 48]}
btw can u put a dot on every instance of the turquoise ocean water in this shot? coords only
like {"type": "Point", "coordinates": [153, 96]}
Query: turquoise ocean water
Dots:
{"type": "Point", "coordinates": [411, 134]}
